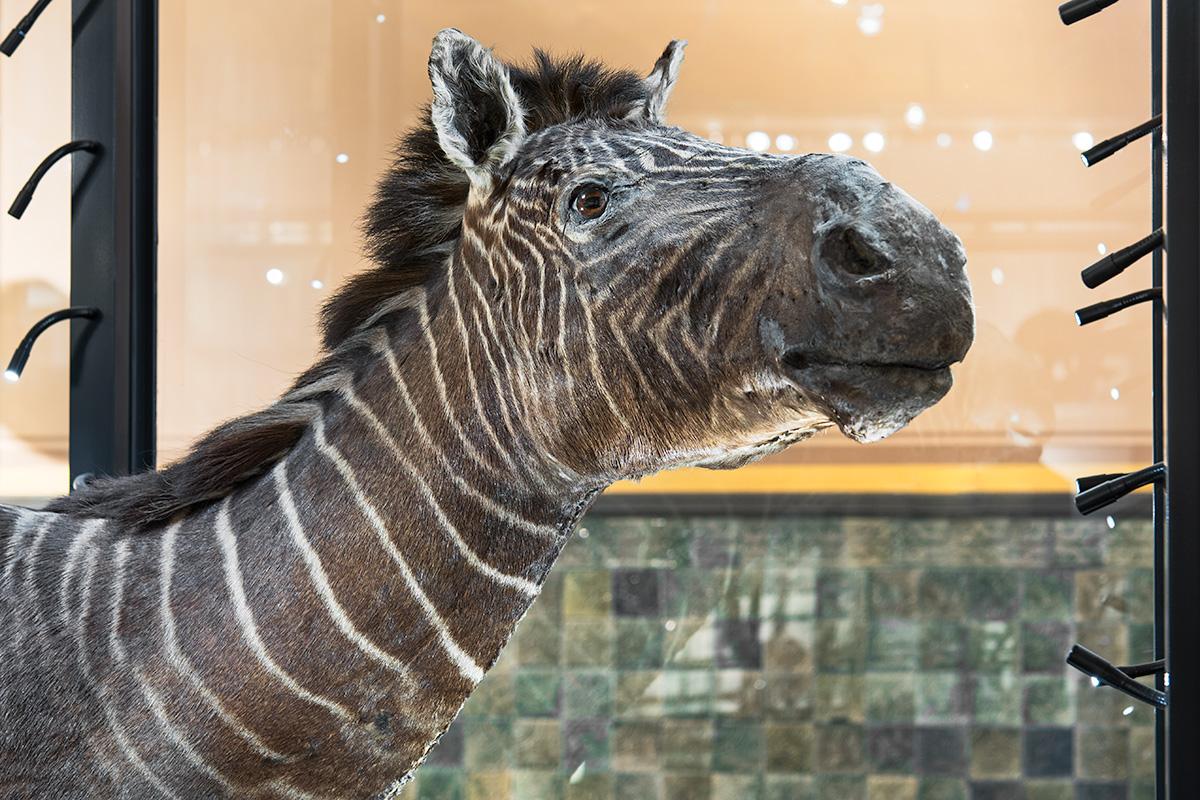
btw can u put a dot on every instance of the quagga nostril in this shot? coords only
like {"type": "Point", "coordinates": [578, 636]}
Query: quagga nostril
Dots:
{"type": "Point", "coordinates": [847, 249]}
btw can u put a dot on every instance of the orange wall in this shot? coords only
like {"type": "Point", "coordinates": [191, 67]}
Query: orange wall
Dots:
{"type": "Point", "coordinates": [259, 98]}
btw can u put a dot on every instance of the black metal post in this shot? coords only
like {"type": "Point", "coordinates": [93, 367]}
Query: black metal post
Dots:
{"type": "Point", "coordinates": [114, 75]}
{"type": "Point", "coordinates": [1157, 391]}
{"type": "Point", "coordinates": [1183, 384]}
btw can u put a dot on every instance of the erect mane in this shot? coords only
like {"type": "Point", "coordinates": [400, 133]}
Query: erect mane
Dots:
{"type": "Point", "coordinates": [418, 204]}
{"type": "Point", "coordinates": [410, 226]}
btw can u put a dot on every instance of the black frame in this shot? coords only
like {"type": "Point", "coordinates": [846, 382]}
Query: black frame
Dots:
{"type": "Point", "coordinates": [1157, 387]}
{"type": "Point", "coordinates": [1182, 530]}
{"type": "Point", "coordinates": [114, 96]}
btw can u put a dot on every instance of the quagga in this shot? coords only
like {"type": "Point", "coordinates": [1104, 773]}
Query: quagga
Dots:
{"type": "Point", "coordinates": [568, 292]}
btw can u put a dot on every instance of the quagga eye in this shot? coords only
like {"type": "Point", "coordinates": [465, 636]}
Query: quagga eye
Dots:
{"type": "Point", "coordinates": [590, 200]}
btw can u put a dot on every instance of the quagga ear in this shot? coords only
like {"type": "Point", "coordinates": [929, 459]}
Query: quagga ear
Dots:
{"type": "Point", "coordinates": [661, 81]}
{"type": "Point", "coordinates": [475, 110]}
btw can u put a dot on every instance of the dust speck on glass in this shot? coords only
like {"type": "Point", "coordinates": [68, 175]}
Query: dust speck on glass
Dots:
{"type": "Point", "coordinates": [818, 659]}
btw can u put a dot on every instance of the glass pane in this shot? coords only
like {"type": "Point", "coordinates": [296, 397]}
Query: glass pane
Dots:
{"type": "Point", "coordinates": [35, 253]}
{"type": "Point", "coordinates": [747, 653]}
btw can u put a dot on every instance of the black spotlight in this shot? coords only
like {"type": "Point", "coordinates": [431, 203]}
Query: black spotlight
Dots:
{"type": "Point", "coordinates": [26, 194]}
{"type": "Point", "coordinates": [1074, 10]}
{"type": "Point", "coordinates": [17, 34]}
{"type": "Point", "coordinates": [1102, 494]}
{"type": "Point", "coordinates": [1104, 673]}
{"type": "Point", "coordinates": [1101, 310]}
{"type": "Point", "coordinates": [1096, 154]}
{"type": "Point", "coordinates": [1117, 262]}
{"type": "Point", "coordinates": [1088, 481]}
{"type": "Point", "coordinates": [17, 364]}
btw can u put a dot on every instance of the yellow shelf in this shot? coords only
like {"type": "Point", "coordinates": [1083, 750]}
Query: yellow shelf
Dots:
{"type": "Point", "coordinates": [870, 479]}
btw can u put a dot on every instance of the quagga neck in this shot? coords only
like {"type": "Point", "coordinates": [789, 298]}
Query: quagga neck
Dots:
{"type": "Point", "coordinates": [425, 520]}
{"type": "Point", "coordinates": [314, 632]}
{"type": "Point", "coordinates": [426, 453]}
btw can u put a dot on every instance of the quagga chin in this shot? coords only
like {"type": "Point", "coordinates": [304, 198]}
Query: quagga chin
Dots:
{"type": "Point", "coordinates": [567, 291]}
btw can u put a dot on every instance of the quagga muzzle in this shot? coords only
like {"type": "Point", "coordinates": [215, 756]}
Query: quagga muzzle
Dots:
{"type": "Point", "coordinates": [568, 292]}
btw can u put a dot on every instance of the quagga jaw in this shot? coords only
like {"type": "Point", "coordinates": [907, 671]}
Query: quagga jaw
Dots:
{"type": "Point", "coordinates": [568, 291]}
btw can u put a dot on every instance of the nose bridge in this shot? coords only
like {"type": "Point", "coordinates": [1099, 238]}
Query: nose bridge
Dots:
{"type": "Point", "coordinates": [888, 236]}
{"type": "Point", "coordinates": [888, 271]}
{"type": "Point", "coordinates": [883, 280]}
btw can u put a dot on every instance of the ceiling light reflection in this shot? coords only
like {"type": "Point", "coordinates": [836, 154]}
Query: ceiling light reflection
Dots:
{"type": "Point", "coordinates": [870, 19]}
{"type": "Point", "coordinates": [914, 116]}
{"type": "Point", "coordinates": [840, 142]}
{"type": "Point", "coordinates": [758, 140]}
{"type": "Point", "coordinates": [874, 141]}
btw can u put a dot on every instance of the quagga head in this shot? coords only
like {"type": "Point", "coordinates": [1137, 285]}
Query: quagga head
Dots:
{"type": "Point", "coordinates": [654, 298]}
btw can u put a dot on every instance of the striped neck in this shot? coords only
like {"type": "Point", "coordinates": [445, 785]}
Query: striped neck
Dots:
{"type": "Point", "coordinates": [377, 571]}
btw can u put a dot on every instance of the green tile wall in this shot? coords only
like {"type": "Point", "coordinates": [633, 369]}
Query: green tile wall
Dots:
{"type": "Point", "coordinates": [816, 659]}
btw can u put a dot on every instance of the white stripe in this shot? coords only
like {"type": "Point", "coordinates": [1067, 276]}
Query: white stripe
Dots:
{"type": "Point", "coordinates": [317, 572]}
{"type": "Point", "coordinates": [118, 733]}
{"type": "Point", "coordinates": [28, 589]}
{"type": "Point", "coordinates": [492, 336]}
{"type": "Point", "coordinates": [233, 579]}
{"type": "Point", "coordinates": [465, 663]}
{"type": "Point", "coordinates": [541, 263]}
{"type": "Point", "coordinates": [130, 753]}
{"type": "Point", "coordinates": [118, 599]}
{"type": "Point", "coordinates": [594, 363]}
{"type": "Point", "coordinates": [512, 581]}
{"type": "Point", "coordinates": [180, 661]}
{"type": "Point", "coordinates": [24, 522]}
{"type": "Point", "coordinates": [287, 790]}
{"type": "Point", "coordinates": [495, 509]}
{"type": "Point", "coordinates": [152, 699]}
{"type": "Point", "coordinates": [484, 422]}
{"type": "Point", "coordinates": [16, 537]}
{"type": "Point", "coordinates": [194, 758]}
{"type": "Point", "coordinates": [84, 537]}
{"type": "Point", "coordinates": [562, 329]}
{"type": "Point", "coordinates": [440, 383]}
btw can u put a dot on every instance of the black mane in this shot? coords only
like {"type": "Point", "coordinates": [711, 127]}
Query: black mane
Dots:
{"type": "Point", "coordinates": [410, 226]}
{"type": "Point", "coordinates": [417, 209]}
